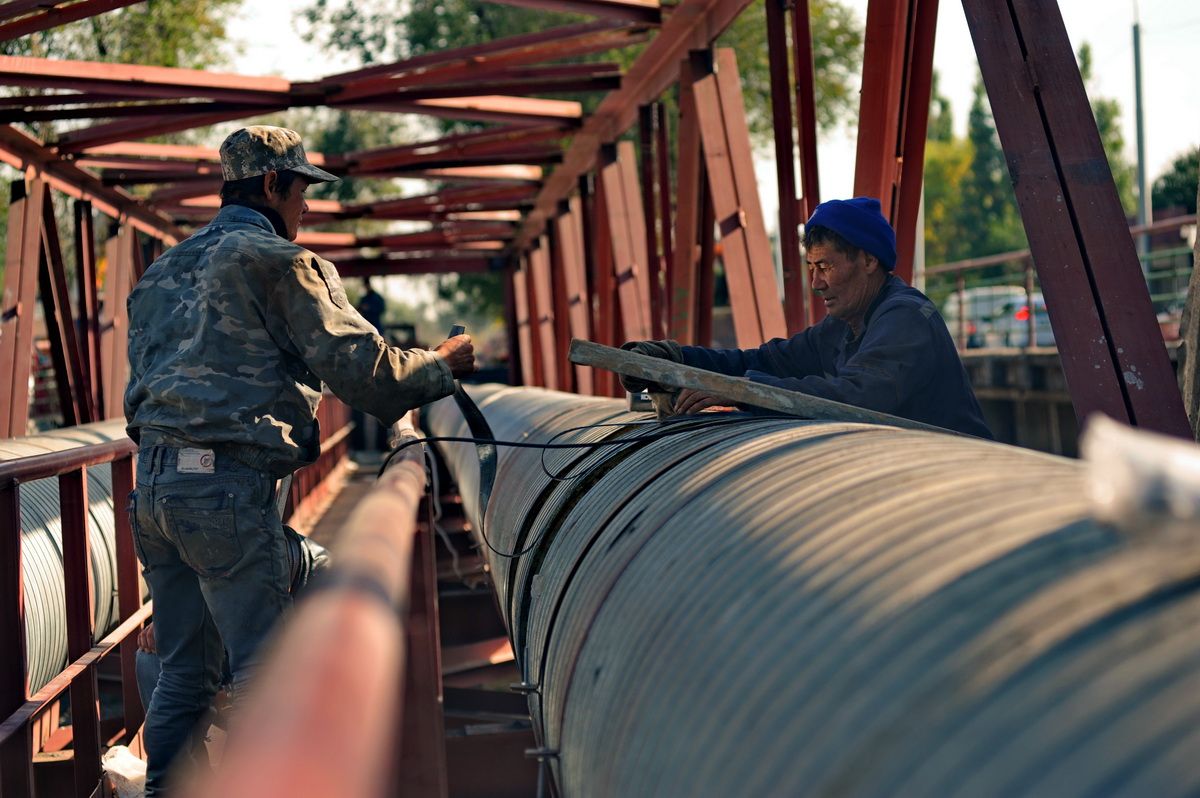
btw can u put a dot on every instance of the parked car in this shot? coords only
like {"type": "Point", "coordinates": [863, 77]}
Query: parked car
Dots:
{"type": "Point", "coordinates": [1011, 326]}
{"type": "Point", "coordinates": [980, 306]}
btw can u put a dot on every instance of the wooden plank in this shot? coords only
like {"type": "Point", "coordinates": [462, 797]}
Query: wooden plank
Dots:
{"type": "Point", "coordinates": [736, 389]}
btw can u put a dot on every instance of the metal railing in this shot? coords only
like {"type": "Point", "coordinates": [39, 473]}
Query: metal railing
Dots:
{"type": "Point", "coordinates": [18, 710]}
{"type": "Point", "coordinates": [1167, 270]}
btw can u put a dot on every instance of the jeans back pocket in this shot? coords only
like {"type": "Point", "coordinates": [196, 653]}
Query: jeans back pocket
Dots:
{"type": "Point", "coordinates": [205, 530]}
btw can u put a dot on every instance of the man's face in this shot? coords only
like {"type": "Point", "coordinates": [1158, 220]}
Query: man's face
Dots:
{"type": "Point", "coordinates": [291, 206]}
{"type": "Point", "coordinates": [844, 283]}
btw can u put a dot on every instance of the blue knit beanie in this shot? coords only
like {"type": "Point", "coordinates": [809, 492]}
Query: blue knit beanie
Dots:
{"type": "Point", "coordinates": [861, 222]}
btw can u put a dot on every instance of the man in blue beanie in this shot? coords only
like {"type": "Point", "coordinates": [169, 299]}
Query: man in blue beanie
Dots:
{"type": "Point", "coordinates": [882, 345]}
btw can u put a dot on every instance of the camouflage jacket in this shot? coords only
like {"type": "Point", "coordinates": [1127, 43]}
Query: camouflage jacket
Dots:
{"type": "Point", "coordinates": [232, 332]}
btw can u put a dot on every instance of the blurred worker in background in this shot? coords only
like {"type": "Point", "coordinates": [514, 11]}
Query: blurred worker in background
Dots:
{"type": "Point", "coordinates": [231, 335]}
{"type": "Point", "coordinates": [372, 306]}
{"type": "Point", "coordinates": [883, 346]}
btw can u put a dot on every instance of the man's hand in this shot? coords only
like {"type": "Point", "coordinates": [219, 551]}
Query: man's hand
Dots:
{"type": "Point", "coordinates": [459, 354]}
{"type": "Point", "coordinates": [691, 400]}
{"type": "Point", "coordinates": [145, 639]}
{"type": "Point", "coordinates": [667, 350]}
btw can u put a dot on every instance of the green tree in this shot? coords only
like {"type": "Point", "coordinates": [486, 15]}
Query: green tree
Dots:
{"type": "Point", "coordinates": [1107, 112]}
{"type": "Point", "coordinates": [1176, 187]}
{"type": "Point", "coordinates": [941, 116]}
{"type": "Point", "coordinates": [987, 221]}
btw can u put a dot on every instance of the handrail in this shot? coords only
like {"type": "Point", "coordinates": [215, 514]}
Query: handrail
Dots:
{"type": "Point", "coordinates": [53, 464]}
{"type": "Point", "coordinates": [1004, 257]}
{"type": "Point", "coordinates": [17, 709]}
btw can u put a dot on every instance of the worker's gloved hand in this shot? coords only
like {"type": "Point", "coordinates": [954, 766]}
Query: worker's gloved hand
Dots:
{"type": "Point", "coordinates": [667, 350]}
{"type": "Point", "coordinates": [459, 354]}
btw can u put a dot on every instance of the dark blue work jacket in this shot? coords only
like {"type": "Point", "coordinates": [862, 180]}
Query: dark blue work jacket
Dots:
{"type": "Point", "coordinates": [904, 363]}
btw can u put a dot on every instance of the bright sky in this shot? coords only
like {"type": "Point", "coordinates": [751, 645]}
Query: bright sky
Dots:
{"type": "Point", "coordinates": [1171, 89]}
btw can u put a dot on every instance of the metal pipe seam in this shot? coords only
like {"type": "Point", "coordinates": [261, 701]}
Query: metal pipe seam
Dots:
{"type": "Point", "coordinates": [806, 607]}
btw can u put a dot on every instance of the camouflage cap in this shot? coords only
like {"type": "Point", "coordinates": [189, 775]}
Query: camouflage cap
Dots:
{"type": "Point", "coordinates": [256, 150]}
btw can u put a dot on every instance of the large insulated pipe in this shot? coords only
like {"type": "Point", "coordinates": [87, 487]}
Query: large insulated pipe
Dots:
{"type": "Point", "coordinates": [788, 607]}
{"type": "Point", "coordinates": [41, 547]}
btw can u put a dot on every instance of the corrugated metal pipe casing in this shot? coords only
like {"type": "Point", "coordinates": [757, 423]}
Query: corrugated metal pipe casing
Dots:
{"type": "Point", "coordinates": [786, 607]}
{"type": "Point", "coordinates": [41, 547]}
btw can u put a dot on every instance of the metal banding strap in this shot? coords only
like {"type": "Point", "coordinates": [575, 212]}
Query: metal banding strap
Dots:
{"type": "Point", "coordinates": [482, 432]}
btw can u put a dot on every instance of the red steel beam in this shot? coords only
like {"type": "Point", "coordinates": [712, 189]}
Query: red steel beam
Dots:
{"type": "Point", "coordinates": [571, 267]}
{"type": "Point", "coordinates": [77, 575]}
{"type": "Point", "coordinates": [24, 152]}
{"type": "Point", "coordinates": [692, 24]}
{"type": "Point", "coordinates": [806, 138]}
{"type": "Point", "coordinates": [572, 37]}
{"type": "Point", "coordinates": [648, 134]}
{"type": "Point", "coordinates": [17, 312]}
{"type": "Point", "coordinates": [484, 108]}
{"type": "Point", "coordinates": [16, 755]}
{"type": "Point", "coordinates": [54, 16]}
{"type": "Point", "coordinates": [526, 348]}
{"type": "Point", "coordinates": [542, 313]}
{"type": "Point", "coordinates": [1099, 304]}
{"type": "Point", "coordinates": [749, 267]}
{"type": "Point", "coordinates": [785, 166]}
{"type": "Point", "coordinates": [644, 11]}
{"type": "Point", "coordinates": [121, 78]}
{"type": "Point", "coordinates": [886, 40]}
{"type": "Point", "coordinates": [368, 267]}
{"type": "Point", "coordinates": [75, 398]}
{"type": "Point", "coordinates": [626, 228]}
{"type": "Point", "coordinates": [89, 309]}
{"type": "Point", "coordinates": [130, 129]}
{"type": "Point", "coordinates": [683, 269]}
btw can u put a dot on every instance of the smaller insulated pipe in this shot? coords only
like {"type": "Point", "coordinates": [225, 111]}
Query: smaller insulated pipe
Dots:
{"type": "Point", "coordinates": [41, 547]}
{"type": "Point", "coordinates": [748, 605]}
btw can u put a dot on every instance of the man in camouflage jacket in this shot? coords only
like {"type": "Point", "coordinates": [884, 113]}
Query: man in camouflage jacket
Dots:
{"type": "Point", "coordinates": [232, 333]}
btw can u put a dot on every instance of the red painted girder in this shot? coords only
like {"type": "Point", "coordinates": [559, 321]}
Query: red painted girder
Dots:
{"type": "Point", "coordinates": [22, 151]}
{"type": "Point", "coordinates": [157, 110]}
{"type": "Point", "coordinates": [693, 24]}
{"type": "Point", "coordinates": [71, 98]}
{"type": "Point", "coordinates": [53, 17]}
{"type": "Point", "coordinates": [517, 87]}
{"type": "Point", "coordinates": [478, 73]}
{"type": "Point", "coordinates": [437, 160]}
{"type": "Point", "coordinates": [643, 11]}
{"type": "Point", "coordinates": [514, 172]}
{"type": "Point", "coordinates": [366, 267]}
{"type": "Point", "coordinates": [542, 317]}
{"type": "Point", "coordinates": [483, 108]}
{"type": "Point", "coordinates": [785, 166]}
{"type": "Point", "coordinates": [573, 37]}
{"type": "Point", "coordinates": [525, 347]}
{"type": "Point", "coordinates": [144, 152]}
{"type": "Point", "coordinates": [486, 141]}
{"type": "Point", "coordinates": [1099, 305]}
{"type": "Point", "coordinates": [26, 70]}
{"type": "Point", "coordinates": [109, 132]}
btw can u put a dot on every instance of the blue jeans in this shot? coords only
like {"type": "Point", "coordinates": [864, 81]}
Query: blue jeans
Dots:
{"type": "Point", "coordinates": [213, 553]}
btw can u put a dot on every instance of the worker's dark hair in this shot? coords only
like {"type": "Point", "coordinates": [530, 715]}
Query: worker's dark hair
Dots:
{"type": "Point", "coordinates": [250, 189]}
{"type": "Point", "coordinates": [816, 234]}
